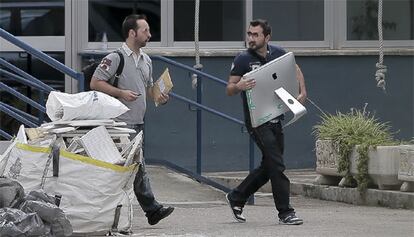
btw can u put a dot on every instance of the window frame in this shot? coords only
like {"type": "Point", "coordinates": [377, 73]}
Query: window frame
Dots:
{"type": "Point", "coordinates": [344, 43]}
{"type": "Point", "coordinates": [43, 43]}
{"type": "Point", "coordinates": [327, 43]}
{"type": "Point", "coordinates": [334, 32]}
{"type": "Point", "coordinates": [88, 45]}
{"type": "Point", "coordinates": [205, 44]}
{"type": "Point", "coordinates": [76, 14]}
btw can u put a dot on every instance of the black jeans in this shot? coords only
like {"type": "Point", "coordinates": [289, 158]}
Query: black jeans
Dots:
{"type": "Point", "coordinates": [269, 138]}
{"type": "Point", "coordinates": [142, 186]}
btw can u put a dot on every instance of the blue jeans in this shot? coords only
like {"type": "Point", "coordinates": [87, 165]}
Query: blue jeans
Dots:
{"type": "Point", "coordinates": [142, 186]}
{"type": "Point", "coordinates": [270, 139]}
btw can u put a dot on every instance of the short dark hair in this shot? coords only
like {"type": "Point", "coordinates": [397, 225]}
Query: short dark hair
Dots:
{"type": "Point", "coordinates": [267, 29]}
{"type": "Point", "coordinates": [130, 23]}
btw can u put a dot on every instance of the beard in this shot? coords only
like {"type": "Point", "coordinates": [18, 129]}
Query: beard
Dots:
{"type": "Point", "coordinates": [143, 43]}
{"type": "Point", "coordinates": [254, 46]}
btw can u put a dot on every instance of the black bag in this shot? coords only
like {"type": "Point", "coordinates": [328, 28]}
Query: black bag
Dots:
{"type": "Point", "coordinates": [89, 70]}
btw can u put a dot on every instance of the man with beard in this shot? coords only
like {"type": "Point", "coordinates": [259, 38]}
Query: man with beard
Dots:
{"type": "Point", "coordinates": [134, 85]}
{"type": "Point", "coordinates": [269, 136]}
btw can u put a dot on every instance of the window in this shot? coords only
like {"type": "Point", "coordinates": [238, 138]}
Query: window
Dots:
{"type": "Point", "coordinates": [106, 16]}
{"type": "Point", "coordinates": [362, 18]}
{"type": "Point", "coordinates": [292, 20]}
{"type": "Point", "coordinates": [33, 18]}
{"type": "Point", "coordinates": [219, 20]}
{"type": "Point", "coordinates": [328, 24]}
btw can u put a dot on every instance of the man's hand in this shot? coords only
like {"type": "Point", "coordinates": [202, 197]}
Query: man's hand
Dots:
{"type": "Point", "coordinates": [163, 98]}
{"type": "Point", "coordinates": [244, 85]}
{"type": "Point", "coordinates": [301, 98]}
{"type": "Point", "coordinates": [302, 88]}
{"type": "Point", "coordinates": [128, 95]}
{"type": "Point", "coordinates": [237, 84]}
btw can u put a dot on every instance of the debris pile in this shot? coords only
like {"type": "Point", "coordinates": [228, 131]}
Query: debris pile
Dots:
{"type": "Point", "coordinates": [34, 214]}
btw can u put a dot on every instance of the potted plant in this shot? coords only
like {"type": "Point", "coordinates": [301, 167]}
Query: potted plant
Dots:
{"type": "Point", "coordinates": [358, 147]}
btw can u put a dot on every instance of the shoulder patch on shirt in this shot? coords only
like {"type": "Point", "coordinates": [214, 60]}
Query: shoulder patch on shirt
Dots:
{"type": "Point", "coordinates": [105, 64]}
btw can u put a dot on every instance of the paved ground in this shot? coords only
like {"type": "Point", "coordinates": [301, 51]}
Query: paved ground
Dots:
{"type": "Point", "coordinates": [202, 211]}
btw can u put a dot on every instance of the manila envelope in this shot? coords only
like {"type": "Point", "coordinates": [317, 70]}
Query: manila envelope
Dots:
{"type": "Point", "coordinates": [163, 84]}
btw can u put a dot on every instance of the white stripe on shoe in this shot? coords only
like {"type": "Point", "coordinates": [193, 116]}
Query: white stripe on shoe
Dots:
{"type": "Point", "coordinates": [236, 211]}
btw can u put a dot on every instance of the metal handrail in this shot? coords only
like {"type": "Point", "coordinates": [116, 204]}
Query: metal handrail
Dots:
{"type": "Point", "coordinates": [29, 117]}
{"type": "Point", "coordinates": [15, 115]}
{"type": "Point", "coordinates": [22, 97]}
{"type": "Point", "coordinates": [215, 112]}
{"type": "Point", "coordinates": [30, 80]}
{"type": "Point", "coordinates": [11, 67]}
{"type": "Point", "coordinates": [44, 58]}
{"type": "Point", "coordinates": [5, 135]}
{"type": "Point", "coordinates": [22, 80]}
{"type": "Point", "coordinates": [188, 68]}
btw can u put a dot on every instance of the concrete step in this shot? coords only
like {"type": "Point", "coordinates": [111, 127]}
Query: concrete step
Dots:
{"type": "Point", "coordinates": [301, 183]}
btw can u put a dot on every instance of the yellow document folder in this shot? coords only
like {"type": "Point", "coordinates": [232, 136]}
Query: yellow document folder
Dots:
{"type": "Point", "coordinates": [163, 84]}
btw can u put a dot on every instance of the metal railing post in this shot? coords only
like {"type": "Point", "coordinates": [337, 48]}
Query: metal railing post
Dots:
{"type": "Point", "coordinates": [199, 118]}
{"type": "Point", "coordinates": [81, 80]}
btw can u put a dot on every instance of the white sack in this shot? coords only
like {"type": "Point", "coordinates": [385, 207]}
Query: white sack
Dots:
{"type": "Point", "coordinates": [91, 189]}
{"type": "Point", "coordinates": [83, 105]}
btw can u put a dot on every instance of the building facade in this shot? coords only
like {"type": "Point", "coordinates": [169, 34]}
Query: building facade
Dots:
{"type": "Point", "coordinates": [335, 42]}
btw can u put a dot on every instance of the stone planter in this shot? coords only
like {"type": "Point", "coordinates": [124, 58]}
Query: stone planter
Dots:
{"type": "Point", "coordinates": [406, 168]}
{"type": "Point", "coordinates": [327, 158]}
{"type": "Point", "coordinates": [383, 166]}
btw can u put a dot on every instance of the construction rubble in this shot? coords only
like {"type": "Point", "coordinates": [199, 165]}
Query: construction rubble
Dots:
{"type": "Point", "coordinates": [84, 157]}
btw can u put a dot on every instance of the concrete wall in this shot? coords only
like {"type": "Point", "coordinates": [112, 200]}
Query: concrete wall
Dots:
{"type": "Point", "coordinates": [334, 83]}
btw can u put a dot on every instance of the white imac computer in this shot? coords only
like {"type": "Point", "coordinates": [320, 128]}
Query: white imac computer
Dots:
{"type": "Point", "coordinates": [264, 105]}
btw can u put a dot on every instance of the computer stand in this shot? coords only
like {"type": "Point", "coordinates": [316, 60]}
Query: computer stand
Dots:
{"type": "Point", "coordinates": [295, 106]}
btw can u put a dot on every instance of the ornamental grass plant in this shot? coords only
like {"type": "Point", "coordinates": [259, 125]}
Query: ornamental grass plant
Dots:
{"type": "Point", "coordinates": [350, 129]}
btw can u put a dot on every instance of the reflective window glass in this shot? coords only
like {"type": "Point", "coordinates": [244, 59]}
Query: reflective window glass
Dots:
{"type": "Point", "coordinates": [107, 16]}
{"type": "Point", "coordinates": [397, 20]}
{"type": "Point", "coordinates": [292, 20]}
{"type": "Point", "coordinates": [33, 18]}
{"type": "Point", "coordinates": [218, 20]}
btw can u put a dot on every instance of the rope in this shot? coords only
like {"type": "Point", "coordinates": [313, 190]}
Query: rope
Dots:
{"type": "Point", "coordinates": [198, 65]}
{"type": "Point", "coordinates": [381, 68]}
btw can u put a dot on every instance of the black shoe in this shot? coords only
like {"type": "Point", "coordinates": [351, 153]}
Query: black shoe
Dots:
{"type": "Point", "coordinates": [235, 210]}
{"type": "Point", "coordinates": [162, 213]}
{"type": "Point", "coordinates": [291, 219]}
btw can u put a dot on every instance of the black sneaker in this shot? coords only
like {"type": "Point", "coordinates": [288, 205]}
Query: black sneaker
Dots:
{"type": "Point", "coordinates": [162, 213]}
{"type": "Point", "coordinates": [291, 219]}
{"type": "Point", "coordinates": [235, 210]}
